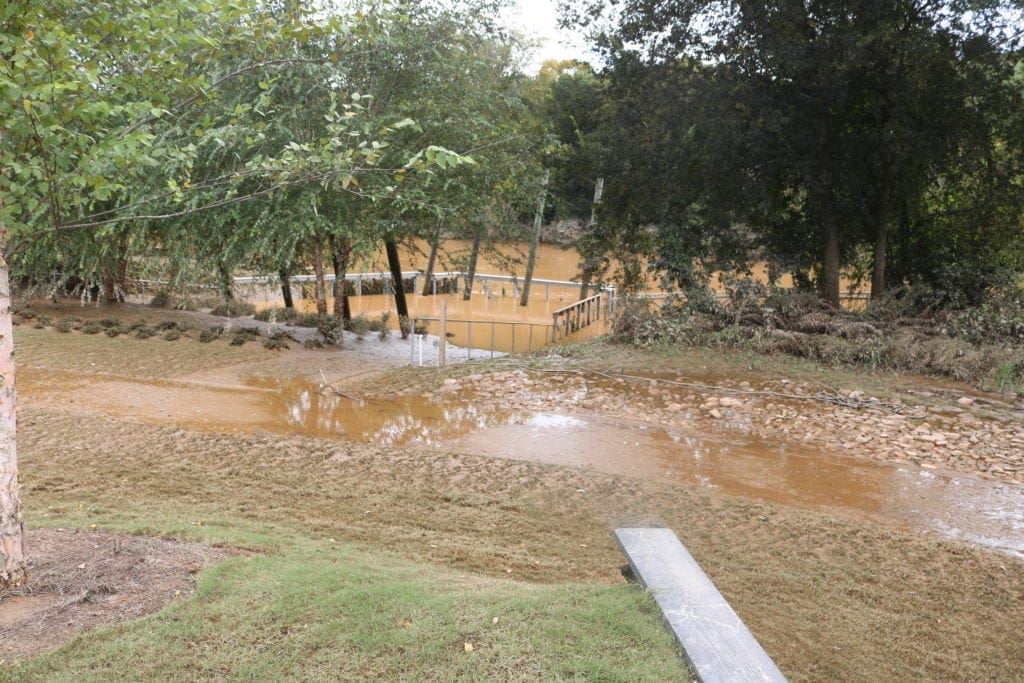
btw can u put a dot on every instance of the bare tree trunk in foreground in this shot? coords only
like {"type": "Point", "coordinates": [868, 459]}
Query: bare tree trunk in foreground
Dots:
{"type": "Point", "coordinates": [13, 570]}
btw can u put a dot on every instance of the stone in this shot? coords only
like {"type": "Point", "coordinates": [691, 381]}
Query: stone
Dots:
{"type": "Point", "coordinates": [965, 401]}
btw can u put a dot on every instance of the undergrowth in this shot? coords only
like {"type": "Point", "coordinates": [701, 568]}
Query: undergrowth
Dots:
{"type": "Point", "coordinates": [905, 332]}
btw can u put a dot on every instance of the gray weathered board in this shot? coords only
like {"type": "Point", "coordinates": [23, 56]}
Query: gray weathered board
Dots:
{"type": "Point", "coordinates": [716, 642]}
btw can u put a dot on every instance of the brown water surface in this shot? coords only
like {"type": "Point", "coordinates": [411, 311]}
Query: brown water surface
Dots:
{"type": "Point", "coordinates": [982, 512]}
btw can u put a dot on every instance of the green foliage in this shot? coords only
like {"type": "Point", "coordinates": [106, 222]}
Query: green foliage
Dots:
{"type": "Point", "coordinates": [234, 309]}
{"type": "Point", "coordinates": [92, 327]}
{"type": "Point", "coordinates": [330, 328]}
{"type": "Point", "coordinates": [811, 134]}
{"type": "Point", "coordinates": [211, 333]}
{"type": "Point", "coordinates": [244, 334]}
{"type": "Point", "coordinates": [277, 315]}
{"type": "Point", "coordinates": [275, 343]}
{"type": "Point", "coordinates": [381, 325]}
{"type": "Point", "coordinates": [359, 326]}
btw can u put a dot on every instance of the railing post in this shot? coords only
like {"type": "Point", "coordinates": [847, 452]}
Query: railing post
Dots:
{"type": "Point", "coordinates": [441, 351]}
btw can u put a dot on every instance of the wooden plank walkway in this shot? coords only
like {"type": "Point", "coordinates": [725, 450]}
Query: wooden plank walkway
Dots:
{"type": "Point", "coordinates": [716, 642]}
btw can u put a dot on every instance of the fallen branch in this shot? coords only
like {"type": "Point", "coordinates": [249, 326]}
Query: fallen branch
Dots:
{"type": "Point", "coordinates": [327, 385]}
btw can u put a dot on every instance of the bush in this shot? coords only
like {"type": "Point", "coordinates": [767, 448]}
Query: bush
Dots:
{"type": "Point", "coordinates": [313, 344]}
{"type": "Point", "coordinates": [63, 325]}
{"type": "Point", "coordinates": [92, 327]}
{"type": "Point", "coordinates": [382, 326]}
{"type": "Point", "coordinates": [243, 335]}
{"type": "Point", "coordinates": [275, 343]}
{"type": "Point", "coordinates": [172, 335]}
{"type": "Point", "coordinates": [114, 331]}
{"type": "Point", "coordinates": [211, 333]}
{"type": "Point", "coordinates": [165, 325]}
{"type": "Point", "coordinates": [144, 332]}
{"type": "Point", "coordinates": [234, 309]}
{"type": "Point", "coordinates": [161, 299]}
{"type": "Point", "coordinates": [279, 315]}
{"type": "Point", "coordinates": [306, 320]}
{"type": "Point", "coordinates": [330, 328]}
{"type": "Point", "coordinates": [359, 326]}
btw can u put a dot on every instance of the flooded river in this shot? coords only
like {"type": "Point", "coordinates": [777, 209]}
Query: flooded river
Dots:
{"type": "Point", "coordinates": [982, 512]}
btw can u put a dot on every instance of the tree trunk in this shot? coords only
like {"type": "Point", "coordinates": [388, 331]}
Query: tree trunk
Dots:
{"type": "Point", "coordinates": [471, 271]}
{"type": "Point", "coordinates": [830, 264]}
{"type": "Point", "coordinates": [428, 281]}
{"type": "Point", "coordinates": [109, 290]}
{"type": "Point", "coordinates": [318, 271]}
{"type": "Point", "coordinates": [538, 221]}
{"type": "Point", "coordinates": [13, 569]}
{"type": "Point", "coordinates": [286, 287]}
{"type": "Point", "coordinates": [878, 267]}
{"type": "Point", "coordinates": [340, 251]}
{"type": "Point", "coordinates": [395, 264]}
{"type": "Point", "coordinates": [122, 268]}
{"type": "Point", "coordinates": [881, 243]}
{"type": "Point", "coordinates": [587, 266]}
{"type": "Point", "coordinates": [226, 282]}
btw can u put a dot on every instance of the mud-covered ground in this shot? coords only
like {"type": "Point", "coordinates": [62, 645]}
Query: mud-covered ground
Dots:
{"type": "Point", "coordinates": [830, 595]}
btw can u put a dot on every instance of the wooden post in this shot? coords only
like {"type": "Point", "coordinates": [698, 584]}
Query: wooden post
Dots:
{"type": "Point", "coordinates": [442, 342]}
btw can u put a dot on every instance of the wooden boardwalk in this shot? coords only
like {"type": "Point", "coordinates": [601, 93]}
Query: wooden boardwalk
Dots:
{"type": "Point", "coordinates": [717, 644]}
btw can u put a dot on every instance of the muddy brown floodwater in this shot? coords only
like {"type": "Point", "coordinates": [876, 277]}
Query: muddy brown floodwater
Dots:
{"type": "Point", "coordinates": [974, 510]}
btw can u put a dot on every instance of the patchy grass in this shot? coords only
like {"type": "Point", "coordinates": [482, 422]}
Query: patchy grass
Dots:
{"type": "Point", "coordinates": [327, 612]}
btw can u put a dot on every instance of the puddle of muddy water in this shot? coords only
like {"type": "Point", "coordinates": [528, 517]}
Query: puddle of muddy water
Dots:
{"type": "Point", "coordinates": [981, 512]}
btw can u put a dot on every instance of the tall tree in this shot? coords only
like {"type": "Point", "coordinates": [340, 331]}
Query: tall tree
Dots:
{"type": "Point", "coordinates": [808, 125]}
{"type": "Point", "coordinates": [92, 104]}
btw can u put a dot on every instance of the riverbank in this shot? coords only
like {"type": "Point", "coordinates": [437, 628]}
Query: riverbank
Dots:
{"type": "Point", "coordinates": [830, 595]}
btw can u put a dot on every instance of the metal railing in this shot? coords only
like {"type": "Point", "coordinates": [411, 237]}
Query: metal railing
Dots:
{"type": "Point", "coordinates": [487, 337]}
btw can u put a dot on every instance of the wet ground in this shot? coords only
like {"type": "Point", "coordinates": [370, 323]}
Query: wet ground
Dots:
{"type": "Point", "coordinates": [566, 431]}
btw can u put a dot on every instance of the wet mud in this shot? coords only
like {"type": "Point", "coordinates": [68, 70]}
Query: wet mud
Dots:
{"type": "Point", "coordinates": [470, 419]}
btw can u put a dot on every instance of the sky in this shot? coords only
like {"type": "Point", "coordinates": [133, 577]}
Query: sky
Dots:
{"type": "Point", "coordinates": [538, 20]}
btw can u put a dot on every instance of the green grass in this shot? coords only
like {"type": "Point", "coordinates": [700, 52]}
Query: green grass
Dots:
{"type": "Point", "coordinates": [330, 611]}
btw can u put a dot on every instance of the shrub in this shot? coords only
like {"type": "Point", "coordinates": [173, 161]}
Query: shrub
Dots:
{"type": "Point", "coordinates": [243, 335]}
{"type": "Point", "coordinates": [161, 299]}
{"type": "Point", "coordinates": [234, 309]}
{"type": "Point", "coordinates": [92, 327]}
{"type": "Point", "coordinates": [211, 333]}
{"type": "Point", "coordinates": [144, 332]}
{"type": "Point", "coordinates": [114, 331]}
{"type": "Point", "coordinates": [165, 325]}
{"type": "Point", "coordinates": [359, 326]}
{"type": "Point", "coordinates": [275, 343]}
{"type": "Point", "coordinates": [63, 325]}
{"type": "Point", "coordinates": [279, 315]}
{"type": "Point", "coordinates": [313, 344]}
{"type": "Point", "coordinates": [382, 325]}
{"type": "Point", "coordinates": [330, 328]}
{"type": "Point", "coordinates": [172, 335]}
